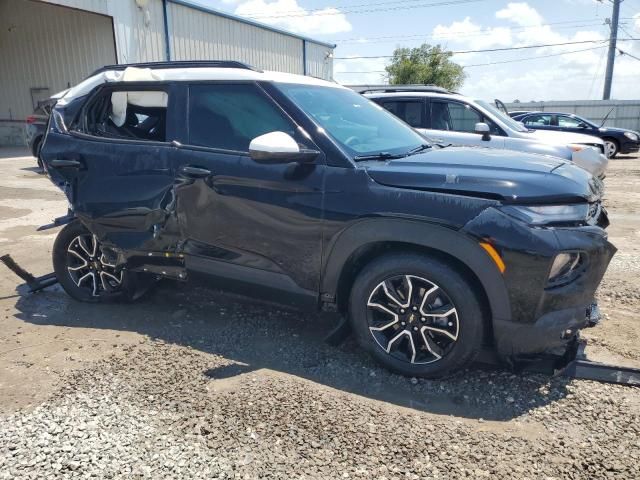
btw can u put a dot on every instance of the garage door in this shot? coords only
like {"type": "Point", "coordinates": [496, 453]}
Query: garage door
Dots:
{"type": "Point", "coordinates": [46, 48]}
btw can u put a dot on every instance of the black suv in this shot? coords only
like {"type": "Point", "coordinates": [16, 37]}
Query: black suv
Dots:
{"type": "Point", "coordinates": [307, 193]}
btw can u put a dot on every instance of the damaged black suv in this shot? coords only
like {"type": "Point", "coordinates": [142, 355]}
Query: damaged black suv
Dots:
{"type": "Point", "coordinates": [307, 193]}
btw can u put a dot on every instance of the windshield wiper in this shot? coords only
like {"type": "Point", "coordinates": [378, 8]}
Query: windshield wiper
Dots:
{"type": "Point", "coordinates": [379, 156]}
{"type": "Point", "coordinates": [419, 149]}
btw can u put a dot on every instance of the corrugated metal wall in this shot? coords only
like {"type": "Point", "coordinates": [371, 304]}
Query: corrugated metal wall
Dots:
{"type": "Point", "coordinates": [625, 113]}
{"type": "Point", "coordinates": [204, 35]}
{"type": "Point", "coordinates": [139, 32]}
{"type": "Point", "coordinates": [319, 60]}
{"type": "Point", "coordinates": [200, 35]}
{"type": "Point", "coordinates": [47, 46]}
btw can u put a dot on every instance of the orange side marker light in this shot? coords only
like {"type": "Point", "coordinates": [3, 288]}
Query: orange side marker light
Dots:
{"type": "Point", "coordinates": [494, 256]}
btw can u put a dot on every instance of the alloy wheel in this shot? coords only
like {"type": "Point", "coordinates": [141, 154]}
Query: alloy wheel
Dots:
{"type": "Point", "coordinates": [610, 148]}
{"type": "Point", "coordinates": [412, 319]}
{"type": "Point", "coordinates": [89, 268]}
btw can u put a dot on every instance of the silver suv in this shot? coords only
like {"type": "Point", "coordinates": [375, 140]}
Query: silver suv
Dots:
{"type": "Point", "coordinates": [447, 117]}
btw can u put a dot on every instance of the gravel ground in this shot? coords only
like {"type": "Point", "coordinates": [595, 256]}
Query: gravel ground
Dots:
{"type": "Point", "coordinates": [189, 383]}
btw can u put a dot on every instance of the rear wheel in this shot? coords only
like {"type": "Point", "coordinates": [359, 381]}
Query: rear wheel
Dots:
{"type": "Point", "coordinates": [416, 315]}
{"type": "Point", "coordinates": [83, 269]}
{"type": "Point", "coordinates": [37, 145]}
{"type": "Point", "coordinates": [610, 147]}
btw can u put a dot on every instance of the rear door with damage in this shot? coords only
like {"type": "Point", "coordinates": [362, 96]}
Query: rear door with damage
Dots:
{"type": "Point", "coordinates": [113, 157]}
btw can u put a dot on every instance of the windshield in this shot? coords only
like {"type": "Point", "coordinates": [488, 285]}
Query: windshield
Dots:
{"type": "Point", "coordinates": [584, 120]}
{"type": "Point", "coordinates": [358, 125]}
{"type": "Point", "coordinates": [506, 119]}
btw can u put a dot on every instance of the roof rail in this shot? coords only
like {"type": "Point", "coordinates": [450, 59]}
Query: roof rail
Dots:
{"type": "Point", "coordinates": [179, 64]}
{"type": "Point", "coordinates": [398, 88]}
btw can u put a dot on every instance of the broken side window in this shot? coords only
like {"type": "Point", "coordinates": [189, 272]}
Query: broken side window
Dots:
{"type": "Point", "coordinates": [127, 115]}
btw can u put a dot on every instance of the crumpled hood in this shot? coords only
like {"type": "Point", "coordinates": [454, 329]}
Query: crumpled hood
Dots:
{"type": "Point", "coordinates": [565, 138]}
{"type": "Point", "coordinates": [509, 176]}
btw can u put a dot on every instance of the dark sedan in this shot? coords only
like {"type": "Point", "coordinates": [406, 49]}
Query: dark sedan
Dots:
{"type": "Point", "coordinates": [35, 127]}
{"type": "Point", "coordinates": [616, 140]}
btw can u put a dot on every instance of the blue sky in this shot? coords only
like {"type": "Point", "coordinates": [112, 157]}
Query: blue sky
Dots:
{"type": "Point", "coordinates": [564, 72]}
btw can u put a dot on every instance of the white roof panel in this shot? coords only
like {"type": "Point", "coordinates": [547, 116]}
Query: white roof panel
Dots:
{"type": "Point", "coordinates": [134, 74]}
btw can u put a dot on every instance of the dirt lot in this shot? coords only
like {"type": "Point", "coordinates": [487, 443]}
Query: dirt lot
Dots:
{"type": "Point", "coordinates": [196, 384]}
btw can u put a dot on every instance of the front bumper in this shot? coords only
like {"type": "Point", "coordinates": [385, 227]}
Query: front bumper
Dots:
{"type": "Point", "coordinates": [543, 317]}
{"type": "Point", "coordinates": [554, 330]}
{"type": "Point", "coordinates": [629, 147]}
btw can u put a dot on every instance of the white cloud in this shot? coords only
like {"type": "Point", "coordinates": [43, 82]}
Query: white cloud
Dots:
{"type": "Point", "coordinates": [472, 34]}
{"type": "Point", "coordinates": [636, 22]}
{"type": "Point", "coordinates": [374, 68]}
{"type": "Point", "coordinates": [291, 16]}
{"type": "Point", "coordinates": [521, 14]}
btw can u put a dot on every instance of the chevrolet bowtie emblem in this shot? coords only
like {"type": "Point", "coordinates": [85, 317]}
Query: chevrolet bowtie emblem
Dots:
{"type": "Point", "coordinates": [411, 318]}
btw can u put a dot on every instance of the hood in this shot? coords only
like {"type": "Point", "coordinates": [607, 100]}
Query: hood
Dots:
{"type": "Point", "coordinates": [564, 138]}
{"type": "Point", "coordinates": [506, 175]}
{"type": "Point", "coordinates": [617, 130]}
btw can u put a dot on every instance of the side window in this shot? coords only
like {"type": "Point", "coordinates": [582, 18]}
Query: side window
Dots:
{"type": "Point", "coordinates": [440, 116]}
{"type": "Point", "coordinates": [568, 122]}
{"type": "Point", "coordinates": [410, 112]}
{"type": "Point", "coordinates": [538, 120]}
{"type": "Point", "coordinates": [127, 115]}
{"type": "Point", "coordinates": [228, 117]}
{"type": "Point", "coordinates": [463, 117]}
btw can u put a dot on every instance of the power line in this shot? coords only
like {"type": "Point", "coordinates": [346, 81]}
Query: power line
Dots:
{"type": "Point", "coordinates": [345, 40]}
{"type": "Point", "coordinates": [622, 52]}
{"type": "Point", "coordinates": [505, 61]}
{"type": "Point", "coordinates": [460, 34]}
{"type": "Point", "coordinates": [312, 10]}
{"type": "Point", "coordinates": [369, 10]}
{"type": "Point", "coordinates": [534, 58]}
{"type": "Point", "coordinates": [595, 73]}
{"type": "Point", "coordinates": [503, 49]}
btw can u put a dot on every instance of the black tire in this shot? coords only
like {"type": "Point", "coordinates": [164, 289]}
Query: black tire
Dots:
{"type": "Point", "coordinates": [611, 147]}
{"type": "Point", "coordinates": [37, 145]}
{"type": "Point", "coordinates": [428, 339]}
{"type": "Point", "coordinates": [97, 280]}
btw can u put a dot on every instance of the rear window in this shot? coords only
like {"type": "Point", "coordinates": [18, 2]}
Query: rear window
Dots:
{"type": "Point", "coordinates": [127, 115]}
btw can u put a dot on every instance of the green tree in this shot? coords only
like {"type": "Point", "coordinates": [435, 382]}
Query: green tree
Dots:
{"type": "Point", "coordinates": [425, 65]}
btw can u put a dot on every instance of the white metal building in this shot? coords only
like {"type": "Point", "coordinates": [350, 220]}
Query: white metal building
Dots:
{"type": "Point", "coordinates": [49, 45]}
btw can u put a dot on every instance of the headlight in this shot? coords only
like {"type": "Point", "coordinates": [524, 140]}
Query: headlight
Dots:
{"type": "Point", "coordinates": [631, 136]}
{"type": "Point", "coordinates": [549, 214]}
{"type": "Point", "coordinates": [565, 268]}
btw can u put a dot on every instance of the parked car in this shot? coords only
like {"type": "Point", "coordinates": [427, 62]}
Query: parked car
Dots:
{"type": "Point", "coordinates": [446, 117]}
{"type": "Point", "coordinates": [616, 140]}
{"type": "Point", "coordinates": [35, 126]}
{"type": "Point", "coordinates": [302, 191]}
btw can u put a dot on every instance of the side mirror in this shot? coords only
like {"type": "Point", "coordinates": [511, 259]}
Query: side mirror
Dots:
{"type": "Point", "coordinates": [279, 147]}
{"type": "Point", "coordinates": [583, 125]}
{"type": "Point", "coordinates": [483, 129]}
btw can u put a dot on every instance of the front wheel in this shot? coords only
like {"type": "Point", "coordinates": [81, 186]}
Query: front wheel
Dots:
{"type": "Point", "coordinates": [610, 147]}
{"type": "Point", "coordinates": [416, 315]}
{"type": "Point", "coordinates": [82, 267]}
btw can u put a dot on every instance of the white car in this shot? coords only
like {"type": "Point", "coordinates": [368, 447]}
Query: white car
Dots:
{"type": "Point", "coordinates": [446, 117]}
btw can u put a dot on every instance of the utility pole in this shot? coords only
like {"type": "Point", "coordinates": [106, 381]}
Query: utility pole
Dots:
{"type": "Point", "coordinates": [611, 58]}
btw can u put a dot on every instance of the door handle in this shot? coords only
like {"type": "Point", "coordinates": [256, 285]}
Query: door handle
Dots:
{"type": "Point", "coordinates": [194, 172]}
{"type": "Point", "coordinates": [59, 163]}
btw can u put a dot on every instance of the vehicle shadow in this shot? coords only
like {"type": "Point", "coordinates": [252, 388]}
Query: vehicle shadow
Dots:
{"type": "Point", "coordinates": [255, 336]}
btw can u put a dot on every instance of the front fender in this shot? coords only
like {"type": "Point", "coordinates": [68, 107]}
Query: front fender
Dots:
{"type": "Point", "coordinates": [450, 242]}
